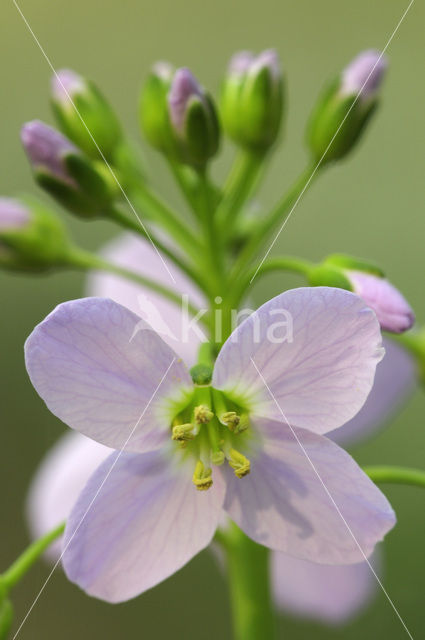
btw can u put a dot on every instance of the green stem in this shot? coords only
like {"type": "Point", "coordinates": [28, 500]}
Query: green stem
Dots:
{"type": "Point", "coordinates": [214, 245]}
{"type": "Point", "coordinates": [249, 582]}
{"type": "Point", "coordinates": [186, 182]}
{"type": "Point", "coordinates": [133, 224]}
{"type": "Point", "coordinates": [26, 560]}
{"type": "Point", "coordinates": [396, 475]}
{"type": "Point", "coordinates": [277, 216]}
{"type": "Point", "coordinates": [158, 211]}
{"type": "Point", "coordinates": [238, 188]}
{"type": "Point", "coordinates": [284, 263]}
{"type": "Point", "coordinates": [85, 260]}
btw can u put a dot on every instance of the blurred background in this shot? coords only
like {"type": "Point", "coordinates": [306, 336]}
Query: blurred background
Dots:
{"type": "Point", "coordinates": [371, 205]}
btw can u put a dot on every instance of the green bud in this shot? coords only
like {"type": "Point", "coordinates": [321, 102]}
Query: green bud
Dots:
{"type": "Point", "coordinates": [252, 100]}
{"type": "Point", "coordinates": [345, 108]}
{"type": "Point", "coordinates": [324, 275]}
{"type": "Point", "coordinates": [154, 116]}
{"type": "Point", "coordinates": [193, 120]}
{"type": "Point", "coordinates": [354, 264]}
{"type": "Point", "coordinates": [74, 96]}
{"type": "Point", "coordinates": [32, 238]}
{"type": "Point", "coordinates": [79, 184]}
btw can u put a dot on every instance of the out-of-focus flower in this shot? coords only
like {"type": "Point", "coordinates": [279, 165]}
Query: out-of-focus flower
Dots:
{"type": "Point", "coordinates": [329, 593]}
{"type": "Point", "coordinates": [251, 103]}
{"type": "Point", "coordinates": [58, 482]}
{"type": "Point", "coordinates": [103, 385]}
{"type": "Point", "coordinates": [65, 172]}
{"type": "Point", "coordinates": [84, 115]}
{"type": "Point", "coordinates": [154, 113]}
{"type": "Point", "coordinates": [345, 107]}
{"type": "Point", "coordinates": [162, 315]}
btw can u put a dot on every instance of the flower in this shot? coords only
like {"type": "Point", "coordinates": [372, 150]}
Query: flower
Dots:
{"type": "Point", "coordinates": [138, 396]}
{"type": "Point", "coordinates": [163, 316]}
{"type": "Point", "coordinates": [329, 593]}
{"type": "Point", "coordinates": [365, 73]}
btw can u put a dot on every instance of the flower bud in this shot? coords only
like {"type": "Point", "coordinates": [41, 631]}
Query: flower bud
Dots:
{"type": "Point", "coordinates": [31, 237]}
{"type": "Point", "coordinates": [345, 107]}
{"type": "Point", "coordinates": [154, 116]}
{"type": "Point", "coordinates": [252, 99]}
{"type": "Point", "coordinates": [84, 115]}
{"type": "Point", "coordinates": [193, 119]}
{"type": "Point", "coordinates": [66, 173]}
{"type": "Point", "coordinates": [367, 281]}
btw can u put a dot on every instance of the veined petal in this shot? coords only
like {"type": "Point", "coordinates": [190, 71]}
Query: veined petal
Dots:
{"type": "Point", "coordinates": [392, 309]}
{"type": "Point", "coordinates": [163, 316]}
{"type": "Point", "coordinates": [283, 503]}
{"type": "Point", "coordinates": [394, 382]}
{"type": "Point", "coordinates": [58, 482]}
{"type": "Point", "coordinates": [329, 593]}
{"type": "Point", "coordinates": [137, 522]}
{"type": "Point", "coordinates": [316, 349]}
{"type": "Point", "coordinates": [103, 371]}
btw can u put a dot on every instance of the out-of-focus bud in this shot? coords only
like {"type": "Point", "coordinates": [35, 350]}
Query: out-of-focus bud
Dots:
{"type": "Point", "coordinates": [252, 99]}
{"type": "Point", "coordinates": [193, 119]}
{"type": "Point", "coordinates": [31, 237]}
{"type": "Point", "coordinates": [348, 103]}
{"type": "Point", "coordinates": [367, 281]}
{"type": "Point", "coordinates": [84, 115]}
{"type": "Point", "coordinates": [65, 172]}
{"type": "Point", "coordinates": [154, 115]}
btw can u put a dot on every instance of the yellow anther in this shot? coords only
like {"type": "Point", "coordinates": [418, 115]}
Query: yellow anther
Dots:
{"type": "Point", "coordinates": [202, 477]}
{"type": "Point", "coordinates": [183, 432]}
{"type": "Point", "coordinates": [202, 414]}
{"type": "Point", "coordinates": [243, 424]}
{"type": "Point", "coordinates": [239, 463]}
{"type": "Point", "coordinates": [217, 458]}
{"type": "Point", "coordinates": [230, 419]}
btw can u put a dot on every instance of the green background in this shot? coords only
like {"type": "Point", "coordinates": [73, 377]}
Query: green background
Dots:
{"type": "Point", "coordinates": [370, 205]}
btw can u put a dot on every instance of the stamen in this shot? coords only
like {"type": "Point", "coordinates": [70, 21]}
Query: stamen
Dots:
{"type": "Point", "coordinates": [202, 476]}
{"type": "Point", "coordinates": [183, 432]}
{"type": "Point", "coordinates": [202, 414]}
{"type": "Point", "coordinates": [239, 463]}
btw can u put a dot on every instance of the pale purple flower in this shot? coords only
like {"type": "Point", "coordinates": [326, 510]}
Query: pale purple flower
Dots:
{"type": "Point", "coordinates": [162, 315]}
{"type": "Point", "coordinates": [59, 480]}
{"type": "Point", "coordinates": [329, 593]}
{"type": "Point", "coordinates": [184, 88]}
{"type": "Point", "coordinates": [46, 149]}
{"type": "Point", "coordinates": [67, 84]}
{"type": "Point", "coordinates": [91, 376]}
{"type": "Point", "coordinates": [364, 73]}
{"type": "Point", "coordinates": [13, 215]}
{"type": "Point", "coordinates": [393, 311]}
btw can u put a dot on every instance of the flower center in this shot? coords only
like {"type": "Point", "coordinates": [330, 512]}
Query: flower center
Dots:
{"type": "Point", "coordinates": [212, 428]}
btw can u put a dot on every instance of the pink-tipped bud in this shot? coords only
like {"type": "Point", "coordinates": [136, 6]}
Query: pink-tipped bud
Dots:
{"type": "Point", "coordinates": [364, 74]}
{"type": "Point", "coordinates": [46, 149]}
